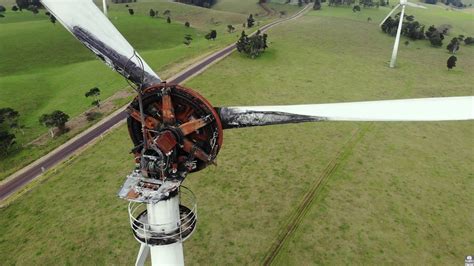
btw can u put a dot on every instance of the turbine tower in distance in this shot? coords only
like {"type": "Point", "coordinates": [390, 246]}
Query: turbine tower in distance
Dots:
{"type": "Point", "coordinates": [104, 6]}
{"type": "Point", "coordinates": [403, 4]}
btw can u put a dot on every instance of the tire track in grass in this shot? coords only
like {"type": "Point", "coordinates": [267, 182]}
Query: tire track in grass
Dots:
{"type": "Point", "coordinates": [314, 191]}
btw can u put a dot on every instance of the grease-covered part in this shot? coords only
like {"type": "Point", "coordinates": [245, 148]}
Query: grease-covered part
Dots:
{"type": "Point", "coordinates": [183, 132]}
{"type": "Point", "coordinates": [237, 118]}
{"type": "Point", "coordinates": [118, 62]}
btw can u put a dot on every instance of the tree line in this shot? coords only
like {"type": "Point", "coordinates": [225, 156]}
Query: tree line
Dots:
{"type": "Point", "coordinates": [415, 30]}
{"type": "Point", "coordinates": [201, 3]}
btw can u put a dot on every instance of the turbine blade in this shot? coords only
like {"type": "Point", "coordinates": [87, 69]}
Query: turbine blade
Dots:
{"type": "Point", "coordinates": [89, 25]}
{"type": "Point", "coordinates": [389, 14]}
{"type": "Point", "coordinates": [423, 109]}
{"type": "Point", "coordinates": [415, 5]}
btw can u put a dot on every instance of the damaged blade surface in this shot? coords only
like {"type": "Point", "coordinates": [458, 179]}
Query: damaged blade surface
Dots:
{"type": "Point", "coordinates": [422, 109]}
{"type": "Point", "coordinates": [235, 117]}
{"type": "Point", "coordinates": [89, 25]}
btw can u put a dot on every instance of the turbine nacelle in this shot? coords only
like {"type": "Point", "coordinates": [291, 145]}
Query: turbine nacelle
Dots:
{"type": "Point", "coordinates": [175, 131]}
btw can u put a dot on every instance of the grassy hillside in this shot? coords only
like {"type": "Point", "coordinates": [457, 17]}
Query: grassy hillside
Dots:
{"type": "Point", "coordinates": [53, 71]}
{"type": "Point", "coordinates": [44, 68]}
{"type": "Point", "coordinates": [399, 194]}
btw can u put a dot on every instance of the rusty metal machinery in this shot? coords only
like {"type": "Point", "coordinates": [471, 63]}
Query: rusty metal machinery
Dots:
{"type": "Point", "coordinates": [179, 132]}
{"type": "Point", "coordinates": [182, 132]}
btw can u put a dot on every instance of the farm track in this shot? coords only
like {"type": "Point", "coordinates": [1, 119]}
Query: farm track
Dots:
{"type": "Point", "coordinates": [306, 203]}
{"type": "Point", "coordinates": [24, 176]}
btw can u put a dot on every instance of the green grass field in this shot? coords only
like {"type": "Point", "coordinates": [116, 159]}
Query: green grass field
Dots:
{"type": "Point", "coordinates": [401, 194]}
{"type": "Point", "coordinates": [52, 70]}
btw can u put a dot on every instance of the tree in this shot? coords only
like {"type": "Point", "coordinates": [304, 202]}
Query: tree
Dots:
{"type": "Point", "coordinates": [55, 119]}
{"type": "Point", "coordinates": [22, 4]}
{"type": "Point", "coordinates": [434, 36]}
{"type": "Point", "coordinates": [131, 11]}
{"type": "Point", "coordinates": [8, 118]}
{"type": "Point", "coordinates": [6, 141]}
{"type": "Point", "coordinates": [250, 21]}
{"type": "Point", "coordinates": [201, 3]}
{"type": "Point", "coordinates": [356, 8]}
{"type": "Point", "coordinates": [95, 93]}
{"type": "Point", "coordinates": [212, 35]}
{"type": "Point", "coordinates": [15, 8]}
{"type": "Point", "coordinates": [469, 41]}
{"type": "Point", "coordinates": [2, 8]}
{"type": "Point", "coordinates": [152, 13]}
{"type": "Point", "coordinates": [167, 12]}
{"type": "Point", "coordinates": [33, 9]}
{"type": "Point", "coordinates": [317, 5]}
{"type": "Point", "coordinates": [168, 20]}
{"type": "Point", "coordinates": [252, 46]}
{"type": "Point", "coordinates": [453, 46]}
{"type": "Point", "coordinates": [52, 19]}
{"type": "Point", "coordinates": [187, 24]}
{"type": "Point", "coordinates": [187, 39]}
{"type": "Point", "coordinates": [230, 28]}
{"type": "Point", "coordinates": [451, 62]}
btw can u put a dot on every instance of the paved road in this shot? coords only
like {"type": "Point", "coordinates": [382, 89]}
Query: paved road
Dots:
{"type": "Point", "coordinates": [26, 175]}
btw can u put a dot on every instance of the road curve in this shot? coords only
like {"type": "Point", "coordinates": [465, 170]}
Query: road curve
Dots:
{"type": "Point", "coordinates": [35, 169]}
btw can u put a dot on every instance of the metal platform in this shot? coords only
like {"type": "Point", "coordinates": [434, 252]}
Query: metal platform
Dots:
{"type": "Point", "coordinates": [150, 234]}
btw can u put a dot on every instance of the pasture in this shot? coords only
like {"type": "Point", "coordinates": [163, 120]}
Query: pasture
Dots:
{"type": "Point", "coordinates": [43, 68]}
{"type": "Point", "coordinates": [394, 193]}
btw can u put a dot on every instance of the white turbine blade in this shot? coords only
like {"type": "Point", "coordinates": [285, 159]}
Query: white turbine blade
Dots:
{"type": "Point", "coordinates": [389, 14]}
{"type": "Point", "coordinates": [415, 5]}
{"type": "Point", "coordinates": [423, 109]}
{"type": "Point", "coordinates": [393, 60]}
{"type": "Point", "coordinates": [87, 23]}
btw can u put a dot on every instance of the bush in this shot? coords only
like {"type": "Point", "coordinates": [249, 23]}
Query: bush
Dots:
{"type": "Point", "coordinates": [469, 41]}
{"type": "Point", "coordinates": [91, 116]}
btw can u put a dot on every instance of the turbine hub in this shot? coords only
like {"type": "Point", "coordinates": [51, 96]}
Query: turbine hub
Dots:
{"type": "Point", "coordinates": [175, 131]}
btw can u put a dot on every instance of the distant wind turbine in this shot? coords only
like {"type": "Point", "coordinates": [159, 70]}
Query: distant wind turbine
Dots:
{"type": "Point", "coordinates": [403, 4]}
{"type": "Point", "coordinates": [104, 6]}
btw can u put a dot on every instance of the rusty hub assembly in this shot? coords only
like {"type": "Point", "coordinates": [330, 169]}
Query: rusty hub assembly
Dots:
{"type": "Point", "coordinates": [181, 132]}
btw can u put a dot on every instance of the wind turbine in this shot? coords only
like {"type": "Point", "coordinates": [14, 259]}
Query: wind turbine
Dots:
{"type": "Point", "coordinates": [104, 6]}
{"type": "Point", "coordinates": [176, 131]}
{"type": "Point", "coordinates": [403, 4]}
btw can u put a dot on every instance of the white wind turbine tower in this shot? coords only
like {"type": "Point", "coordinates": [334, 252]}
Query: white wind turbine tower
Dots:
{"type": "Point", "coordinates": [403, 4]}
{"type": "Point", "coordinates": [104, 6]}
